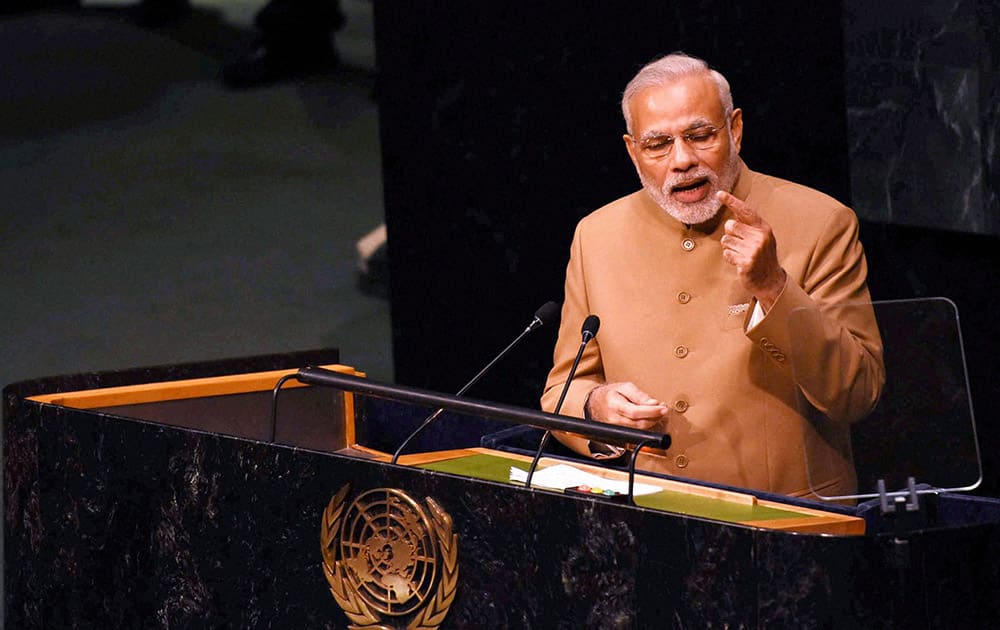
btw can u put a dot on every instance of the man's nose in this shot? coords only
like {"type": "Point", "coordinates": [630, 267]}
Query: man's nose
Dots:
{"type": "Point", "coordinates": [684, 157]}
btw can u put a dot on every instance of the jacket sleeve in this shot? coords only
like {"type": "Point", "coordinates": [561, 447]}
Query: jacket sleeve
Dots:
{"type": "Point", "coordinates": [823, 326]}
{"type": "Point", "coordinates": [590, 371]}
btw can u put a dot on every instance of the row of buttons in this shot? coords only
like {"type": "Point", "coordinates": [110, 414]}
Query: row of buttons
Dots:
{"type": "Point", "coordinates": [681, 405]}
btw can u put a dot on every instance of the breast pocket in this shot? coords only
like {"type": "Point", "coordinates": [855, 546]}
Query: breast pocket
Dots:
{"type": "Point", "coordinates": [736, 310]}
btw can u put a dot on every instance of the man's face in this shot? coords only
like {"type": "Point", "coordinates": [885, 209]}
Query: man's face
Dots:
{"type": "Point", "coordinates": [684, 178]}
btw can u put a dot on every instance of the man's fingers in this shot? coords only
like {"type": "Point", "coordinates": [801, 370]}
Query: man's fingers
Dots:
{"type": "Point", "coordinates": [637, 416]}
{"type": "Point", "coordinates": [627, 405]}
{"type": "Point", "coordinates": [743, 212]}
{"type": "Point", "coordinates": [643, 424]}
{"type": "Point", "coordinates": [735, 230]}
{"type": "Point", "coordinates": [636, 396]}
{"type": "Point", "coordinates": [636, 404]}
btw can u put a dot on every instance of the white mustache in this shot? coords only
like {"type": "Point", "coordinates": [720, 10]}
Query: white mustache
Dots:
{"type": "Point", "coordinates": [689, 179]}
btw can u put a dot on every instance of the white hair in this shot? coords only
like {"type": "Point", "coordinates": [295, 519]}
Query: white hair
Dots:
{"type": "Point", "coordinates": [668, 69]}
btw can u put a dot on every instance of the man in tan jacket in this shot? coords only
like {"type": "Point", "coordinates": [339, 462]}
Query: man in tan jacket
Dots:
{"type": "Point", "coordinates": [734, 309]}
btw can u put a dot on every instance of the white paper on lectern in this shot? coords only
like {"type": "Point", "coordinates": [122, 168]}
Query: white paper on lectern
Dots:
{"type": "Point", "coordinates": [562, 476]}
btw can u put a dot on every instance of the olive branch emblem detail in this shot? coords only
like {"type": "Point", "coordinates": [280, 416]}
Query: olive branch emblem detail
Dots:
{"type": "Point", "coordinates": [385, 554]}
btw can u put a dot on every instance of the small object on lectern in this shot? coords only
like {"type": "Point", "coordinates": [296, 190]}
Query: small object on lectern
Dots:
{"type": "Point", "coordinates": [597, 493]}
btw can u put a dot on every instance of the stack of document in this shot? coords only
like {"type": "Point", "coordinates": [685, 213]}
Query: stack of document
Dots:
{"type": "Point", "coordinates": [562, 476]}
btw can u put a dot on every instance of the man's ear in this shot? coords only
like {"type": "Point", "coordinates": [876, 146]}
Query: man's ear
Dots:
{"type": "Point", "coordinates": [632, 149]}
{"type": "Point", "coordinates": [736, 124]}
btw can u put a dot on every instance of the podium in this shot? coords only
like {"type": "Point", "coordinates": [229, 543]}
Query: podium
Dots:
{"type": "Point", "coordinates": [183, 496]}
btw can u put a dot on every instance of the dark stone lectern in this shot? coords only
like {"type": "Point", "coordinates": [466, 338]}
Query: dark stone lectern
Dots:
{"type": "Point", "coordinates": [115, 519]}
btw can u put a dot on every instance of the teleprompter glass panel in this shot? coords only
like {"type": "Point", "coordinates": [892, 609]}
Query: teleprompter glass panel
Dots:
{"type": "Point", "coordinates": [922, 426]}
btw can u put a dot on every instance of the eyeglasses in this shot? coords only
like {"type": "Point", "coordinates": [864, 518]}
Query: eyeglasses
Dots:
{"type": "Point", "coordinates": [699, 139]}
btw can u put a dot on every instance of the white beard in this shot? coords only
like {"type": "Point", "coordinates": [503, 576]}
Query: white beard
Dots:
{"type": "Point", "coordinates": [699, 211]}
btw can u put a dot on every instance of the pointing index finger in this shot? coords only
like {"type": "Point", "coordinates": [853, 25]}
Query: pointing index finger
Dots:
{"type": "Point", "coordinates": [744, 213]}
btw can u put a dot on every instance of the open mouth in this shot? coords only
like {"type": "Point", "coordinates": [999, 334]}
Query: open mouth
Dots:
{"type": "Point", "coordinates": [691, 191]}
{"type": "Point", "coordinates": [689, 185]}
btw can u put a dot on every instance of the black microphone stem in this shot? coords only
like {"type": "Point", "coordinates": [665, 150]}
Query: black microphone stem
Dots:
{"type": "Point", "coordinates": [546, 313]}
{"type": "Point", "coordinates": [274, 405]}
{"type": "Point", "coordinates": [475, 379]}
{"type": "Point", "coordinates": [631, 469]}
{"type": "Point", "coordinates": [588, 334]}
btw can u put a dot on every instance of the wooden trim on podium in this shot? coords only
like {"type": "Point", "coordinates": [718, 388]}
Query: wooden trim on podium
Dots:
{"type": "Point", "coordinates": [225, 385]}
{"type": "Point", "coordinates": [178, 390]}
{"type": "Point", "coordinates": [812, 521]}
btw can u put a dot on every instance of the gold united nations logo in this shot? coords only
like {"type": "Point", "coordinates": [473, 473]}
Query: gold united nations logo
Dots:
{"type": "Point", "coordinates": [387, 556]}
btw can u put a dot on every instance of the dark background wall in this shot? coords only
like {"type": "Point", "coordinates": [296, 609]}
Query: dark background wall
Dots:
{"type": "Point", "coordinates": [923, 94]}
{"type": "Point", "coordinates": [501, 128]}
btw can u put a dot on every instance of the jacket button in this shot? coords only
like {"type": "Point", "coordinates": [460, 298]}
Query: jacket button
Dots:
{"type": "Point", "coordinates": [681, 461]}
{"type": "Point", "coordinates": [687, 244]}
{"type": "Point", "coordinates": [683, 297]}
{"type": "Point", "coordinates": [775, 352]}
{"type": "Point", "coordinates": [680, 352]}
{"type": "Point", "coordinates": [680, 405]}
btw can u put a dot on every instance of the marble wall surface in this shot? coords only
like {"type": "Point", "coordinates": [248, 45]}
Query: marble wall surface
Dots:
{"type": "Point", "coordinates": [923, 96]}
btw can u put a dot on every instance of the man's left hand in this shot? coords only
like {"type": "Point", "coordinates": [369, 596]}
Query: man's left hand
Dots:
{"type": "Point", "coordinates": [749, 245]}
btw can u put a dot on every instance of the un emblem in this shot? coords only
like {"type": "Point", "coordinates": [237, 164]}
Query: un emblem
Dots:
{"type": "Point", "coordinates": [386, 555]}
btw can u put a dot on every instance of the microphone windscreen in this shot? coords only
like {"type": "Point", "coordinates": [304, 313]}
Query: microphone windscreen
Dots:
{"type": "Point", "coordinates": [548, 313]}
{"type": "Point", "coordinates": [590, 326]}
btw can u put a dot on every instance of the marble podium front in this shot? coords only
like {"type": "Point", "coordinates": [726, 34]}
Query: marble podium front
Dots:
{"type": "Point", "coordinates": [113, 521]}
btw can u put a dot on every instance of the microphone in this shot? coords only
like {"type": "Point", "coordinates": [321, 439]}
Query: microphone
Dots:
{"type": "Point", "coordinates": [547, 313]}
{"type": "Point", "coordinates": [588, 332]}
{"type": "Point", "coordinates": [590, 326]}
